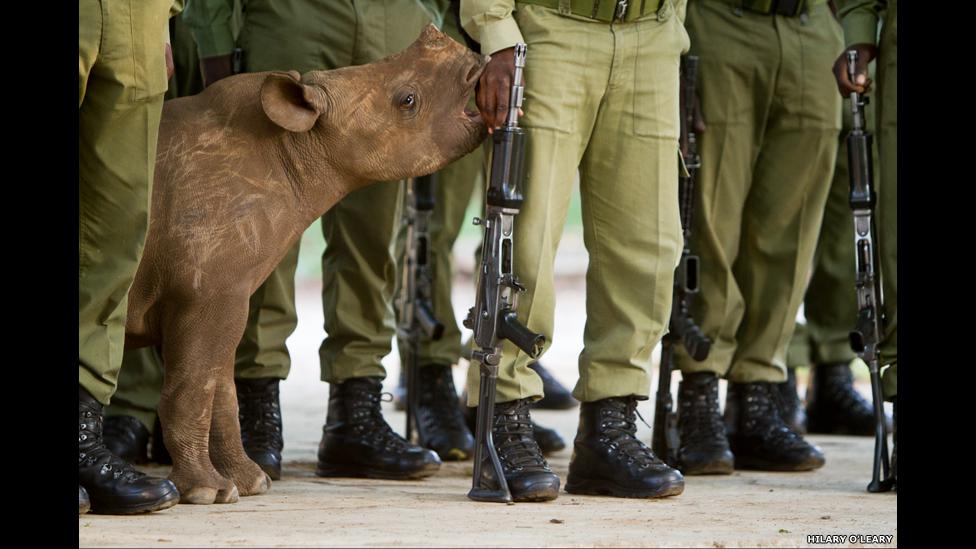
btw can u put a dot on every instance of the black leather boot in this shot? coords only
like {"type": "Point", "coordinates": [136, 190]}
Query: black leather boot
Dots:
{"type": "Point", "coordinates": [157, 449]}
{"type": "Point", "coordinates": [114, 487]}
{"type": "Point", "coordinates": [792, 408]}
{"type": "Point", "coordinates": [126, 437]}
{"type": "Point", "coordinates": [704, 446]}
{"type": "Point", "coordinates": [357, 441]}
{"type": "Point", "coordinates": [554, 395]}
{"type": "Point", "coordinates": [259, 412]}
{"type": "Point", "coordinates": [83, 503]}
{"type": "Point", "coordinates": [528, 475]}
{"type": "Point", "coordinates": [440, 423]}
{"type": "Point", "coordinates": [609, 459]}
{"type": "Point", "coordinates": [834, 406]}
{"type": "Point", "coordinates": [758, 436]}
{"type": "Point", "coordinates": [548, 439]}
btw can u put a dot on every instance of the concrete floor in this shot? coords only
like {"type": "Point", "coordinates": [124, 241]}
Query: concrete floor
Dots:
{"type": "Point", "coordinates": [750, 509]}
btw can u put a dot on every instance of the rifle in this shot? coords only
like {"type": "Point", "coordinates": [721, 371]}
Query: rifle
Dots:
{"type": "Point", "coordinates": [493, 317]}
{"type": "Point", "coordinates": [866, 335]}
{"type": "Point", "coordinates": [416, 319]}
{"type": "Point", "coordinates": [682, 328]}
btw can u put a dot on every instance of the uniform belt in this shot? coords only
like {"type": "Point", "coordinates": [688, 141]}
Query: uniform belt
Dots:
{"type": "Point", "coordinates": [607, 11]}
{"type": "Point", "coordinates": [788, 8]}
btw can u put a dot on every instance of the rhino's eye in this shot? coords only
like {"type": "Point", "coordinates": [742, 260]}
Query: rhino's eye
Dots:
{"type": "Point", "coordinates": [407, 102]}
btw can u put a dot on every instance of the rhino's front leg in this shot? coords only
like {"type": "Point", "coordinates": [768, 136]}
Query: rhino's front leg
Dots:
{"type": "Point", "coordinates": [199, 340]}
{"type": "Point", "coordinates": [226, 450]}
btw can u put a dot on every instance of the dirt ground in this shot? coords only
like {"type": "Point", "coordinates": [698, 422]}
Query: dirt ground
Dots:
{"type": "Point", "coordinates": [747, 509]}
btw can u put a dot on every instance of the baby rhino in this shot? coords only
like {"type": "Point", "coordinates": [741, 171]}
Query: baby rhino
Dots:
{"type": "Point", "coordinates": [242, 170]}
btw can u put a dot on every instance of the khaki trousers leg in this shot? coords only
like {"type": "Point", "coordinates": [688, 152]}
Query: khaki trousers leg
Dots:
{"type": "Point", "coordinates": [613, 116]}
{"type": "Point", "coordinates": [773, 117]}
{"type": "Point", "coordinates": [122, 79]}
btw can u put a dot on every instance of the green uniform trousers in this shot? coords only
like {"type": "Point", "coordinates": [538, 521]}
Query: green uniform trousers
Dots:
{"type": "Point", "coordinates": [359, 268]}
{"type": "Point", "coordinates": [773, 115]}
{"type": "Point", "coordinates": [122, 79]}
{"type": "Point", "coordinates": [887, 135]}
{"type": "Point", "coordinates": [601, 98]}
{"type": "Point", "coordinates": [830, 303]}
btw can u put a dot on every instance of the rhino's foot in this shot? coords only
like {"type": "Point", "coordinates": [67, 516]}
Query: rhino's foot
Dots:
{"type": "Point", "coordinates": [250, 479]}
{"type": "Point", "coordinates": [203, 488]}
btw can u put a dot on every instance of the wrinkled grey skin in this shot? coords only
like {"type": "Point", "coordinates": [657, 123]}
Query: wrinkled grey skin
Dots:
{"type": "Point", "coordinates": [242, 170]}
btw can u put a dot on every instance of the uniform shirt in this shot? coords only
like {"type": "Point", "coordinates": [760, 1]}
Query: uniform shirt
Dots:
{"type": "Point", "coordinates": [860, 19]}
{"type": "Point", "coordinates": [210, 21]}
{"type": "Point", "coordinates": [490, 22]}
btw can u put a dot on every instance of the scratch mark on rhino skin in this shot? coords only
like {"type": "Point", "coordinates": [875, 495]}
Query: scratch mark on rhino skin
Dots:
{"type": "Point", "coordinates": [248, 232]}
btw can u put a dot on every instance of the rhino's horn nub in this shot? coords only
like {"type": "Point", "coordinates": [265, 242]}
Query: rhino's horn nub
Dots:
{"type": "Point", "coordinates": [431, 36]}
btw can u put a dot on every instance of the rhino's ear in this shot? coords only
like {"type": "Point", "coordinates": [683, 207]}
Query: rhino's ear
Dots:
{"type": "Point", "coordinates": [287, 103]}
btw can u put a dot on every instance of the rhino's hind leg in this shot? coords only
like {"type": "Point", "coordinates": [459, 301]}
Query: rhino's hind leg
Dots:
{"type": "Point", "coordinates": [226, 450]}
{"type": "Point", "coordinates": [198, 350]}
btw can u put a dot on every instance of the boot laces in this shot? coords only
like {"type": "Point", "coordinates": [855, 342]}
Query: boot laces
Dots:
{"type": "Point", "coordinates": [700, 418]}
{"type": "Point", "coordinates": [259, 413]}
{"type": "Point", "coordinates": [844, 395]}
{"type": "Point", "coordinates": [618, 427]}
{"type": "Point", "coordinates": [366, 418]}
{"type": "Point", "coordinates": [512, 433]}
{"type": "Point", "coordinates": [763, 406]}
{"type": "Point", "coordinates": [92, 451]}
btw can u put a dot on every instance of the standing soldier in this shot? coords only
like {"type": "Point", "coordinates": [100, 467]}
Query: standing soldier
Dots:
{"type": "Point", "coordinates": [123, 59]}
{"type": "Point", "coordinates": [601, 97]}
{"type": "Point", "coordinates": [767, 158]}
{"type": "Point", "coordinates": [860, 19]}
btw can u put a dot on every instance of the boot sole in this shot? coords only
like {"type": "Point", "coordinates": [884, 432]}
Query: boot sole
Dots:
{"type": "Point", "coordinates": [351, 471]}
{"type": "Point", "coordinates": [598, 487]}
{"type": "Point", "coordinates": [763, 465]}
{"type": "Point", "coordinates": [168, 501]}
{"type": "Point", "coordinates": [535, 498]}
{"type": "Point", "coordinates": [715, 468]}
